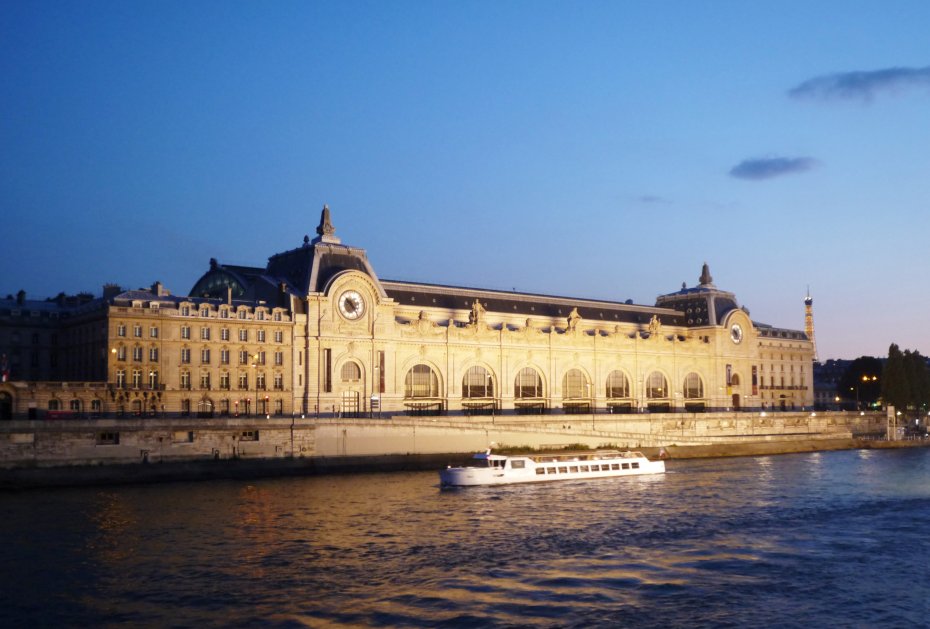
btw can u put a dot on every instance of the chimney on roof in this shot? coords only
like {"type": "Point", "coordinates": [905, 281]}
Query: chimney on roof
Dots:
{"type": "Point", "coordinates": [111, 290]}
{"type": "Point", "coordinates": [158, 289]}
{"type": "Point", "coordinates": [229, 295]}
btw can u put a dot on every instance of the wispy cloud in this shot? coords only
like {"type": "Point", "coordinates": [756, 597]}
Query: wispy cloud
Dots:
{"type": "Point", "coordinates": [861, 85]}
{"type": "Point", "coordinates": [652, 199]}
{"type": "Point", "coordinates": [769, 167]}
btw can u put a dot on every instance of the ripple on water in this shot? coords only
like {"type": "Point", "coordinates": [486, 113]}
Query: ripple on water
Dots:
{"type": "Point", "coordinates": [836, 540]}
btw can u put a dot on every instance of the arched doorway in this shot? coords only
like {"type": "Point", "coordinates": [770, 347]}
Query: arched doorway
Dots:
{"type": "Point", "coordinates": [205, 408]}
{"type": "Point", "coordinates": [734, 390]}
{"type": "Point", "coordinates": [657, 393]}
{"type": "Point", "coordinates": [528, 393]}
{"type": "Point", "coordinates": [350, 404]}
{"type": "Point", "coordinates": [350, 377]}
{"type": "Point", "coordinates": [421, 391]}
{"type": "Point", "coordinates": [478, 391]}
{"type": "Point", "coordinates": [576, 392]}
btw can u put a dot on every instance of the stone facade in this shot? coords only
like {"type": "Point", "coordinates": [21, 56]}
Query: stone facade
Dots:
{"type": "Point", "coordinates": [317, 333]}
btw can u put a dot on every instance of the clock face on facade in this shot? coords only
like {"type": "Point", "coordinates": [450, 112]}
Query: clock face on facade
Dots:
{"type": "Point", "coordinates": [351, 305]}
{"type": "Point", "coordinates": [736, 333]}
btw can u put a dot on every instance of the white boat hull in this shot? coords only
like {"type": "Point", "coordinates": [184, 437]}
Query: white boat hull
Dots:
{"type": "Point", "coordinates": [505, 470]}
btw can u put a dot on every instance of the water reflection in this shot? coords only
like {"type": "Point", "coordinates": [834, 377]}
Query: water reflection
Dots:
{"type": "Point", "coordinates": [715, 542]}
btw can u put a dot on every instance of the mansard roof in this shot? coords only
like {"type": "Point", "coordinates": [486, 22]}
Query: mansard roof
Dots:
{"type": "Point", "coordinates": [301, 271]}
{"type": "Point", "coordinates": [524, 304]}
{"type": "Point", "coordinates": [704, 304]}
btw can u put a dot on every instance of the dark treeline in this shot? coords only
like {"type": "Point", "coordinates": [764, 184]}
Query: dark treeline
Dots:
{"type": "Point", "coordinates": [905, 381]}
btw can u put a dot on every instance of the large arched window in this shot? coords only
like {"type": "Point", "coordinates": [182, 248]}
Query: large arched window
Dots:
{"type": "Point", "coordinates": [528, 384]}
{"type": "Point", "coordinates": [693, 387]}
{"type": "Point", "coordinates": [351, 372]}
{"type": "Point", "coordinates": [477, 383]}
{"type": "Point", "coordinates": [618, 385]}
{"type": "Point", "coordinates": [421, 382]}
{"type": "Point", "coordinates": [574, 385]}
{"type": "Point", "coordinates": [656, 386]}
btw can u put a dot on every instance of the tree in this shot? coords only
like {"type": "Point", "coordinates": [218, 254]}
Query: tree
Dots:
{"type": "Point", "coordinates": [862, 380]}
{"type": "Point", "coordinates": [918, 380]}
{"type": "Point", "coordinates": [895, 388]}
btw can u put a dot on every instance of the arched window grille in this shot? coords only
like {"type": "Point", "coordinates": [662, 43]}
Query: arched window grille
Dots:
{"type": "Point", "coordinates": [618, 385]}
{"type": "Point", "coordinates": [694, 387]}
{"type": "Point", "coordinates": [528, 384]}
{"type": "Point", "coordinates": [351, 372]}
{"type": "Point", "coordinates": [574, 385]}
{"type": "Point", "coordinates": [477, 383]}
{"type": "Point", "coordinates": [656, 386]}
{"type": "Point", "coordinates": [421, 382]}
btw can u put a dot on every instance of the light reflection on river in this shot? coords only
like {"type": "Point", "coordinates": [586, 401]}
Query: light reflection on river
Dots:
{"type": "Point", "coordinates": [832, 539]}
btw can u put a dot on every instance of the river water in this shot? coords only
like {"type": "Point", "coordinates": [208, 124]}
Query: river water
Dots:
{"type": "Point", "coordinates": [808, 540]}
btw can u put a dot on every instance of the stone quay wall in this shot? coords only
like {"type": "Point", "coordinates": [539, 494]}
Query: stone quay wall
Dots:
{"type": "Point", "coordinates": [103, 442]}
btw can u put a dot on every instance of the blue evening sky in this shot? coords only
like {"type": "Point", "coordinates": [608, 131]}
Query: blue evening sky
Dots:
{"type": "Point", "coordinates": [588, 149]}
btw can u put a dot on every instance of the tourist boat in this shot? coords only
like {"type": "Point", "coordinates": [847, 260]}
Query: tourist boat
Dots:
{"type": "Point", "coordinates": [500, 469]}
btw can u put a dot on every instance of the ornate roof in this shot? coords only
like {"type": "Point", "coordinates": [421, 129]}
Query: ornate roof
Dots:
{"type": "Point", "coordinates": [525, 304]}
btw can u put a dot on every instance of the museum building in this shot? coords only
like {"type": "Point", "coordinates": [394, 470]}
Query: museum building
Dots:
{"type": "Point", "coordinates": [317, 332]}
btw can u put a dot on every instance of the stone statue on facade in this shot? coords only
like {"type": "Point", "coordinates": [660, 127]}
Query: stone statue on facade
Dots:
{"type": "Point", "coordinates": [476, 316]}
{"type": "Point", "coordinates": [655, 326]}
{"type": "Point", "coordinates": [573, 319]}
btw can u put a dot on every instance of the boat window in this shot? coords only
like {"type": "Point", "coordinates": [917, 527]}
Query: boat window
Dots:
{"type": "Point", "coordinates": [573, 469]}
{"type": "Point", "coordinates": [550, 470]}
{"type": "Point", "coordinates": [626, 466]}
{"type": "Point", "coordinates": [518, 465]}
{"type": "Point", "coordinates": [540, 470]}
{"type": "Point", "coordinates": [563, 470]}
{"type": "Point", "coordinates": [585, 468]}
{"type": "Point", "coordinates": [615, 466]}
{"type": "Point", "coordinates": [636, 466]}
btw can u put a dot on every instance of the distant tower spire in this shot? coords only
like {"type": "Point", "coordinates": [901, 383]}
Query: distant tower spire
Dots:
{"type": "Point", "coordinates": [809, 320]}
{"type": "Point", "coordinates": [326, 231]}
{"type": "Point", "coordinates": [706, 279]}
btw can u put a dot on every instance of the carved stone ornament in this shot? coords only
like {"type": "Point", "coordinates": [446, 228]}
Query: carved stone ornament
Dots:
{"type": "Point", "coordinates": [529, 330]}
{"type": "Point", "coordinates": [422, 326]}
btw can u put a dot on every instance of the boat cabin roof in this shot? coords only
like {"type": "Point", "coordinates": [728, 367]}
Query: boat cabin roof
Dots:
{"type": "Point", "coordinates": [583, 455]}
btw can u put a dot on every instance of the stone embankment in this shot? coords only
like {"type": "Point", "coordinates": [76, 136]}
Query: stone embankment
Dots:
{"type": "Point", "coordinates": [69, 452]}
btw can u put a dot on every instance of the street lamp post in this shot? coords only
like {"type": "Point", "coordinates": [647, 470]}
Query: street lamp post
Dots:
{"type": "Point", "coordinates": [865, 379]}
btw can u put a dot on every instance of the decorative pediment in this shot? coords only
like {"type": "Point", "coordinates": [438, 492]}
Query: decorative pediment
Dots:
{"type": "Point", "coordinates": [529, 331]}
{"type": "Point", "coordinates": [422, 326]}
